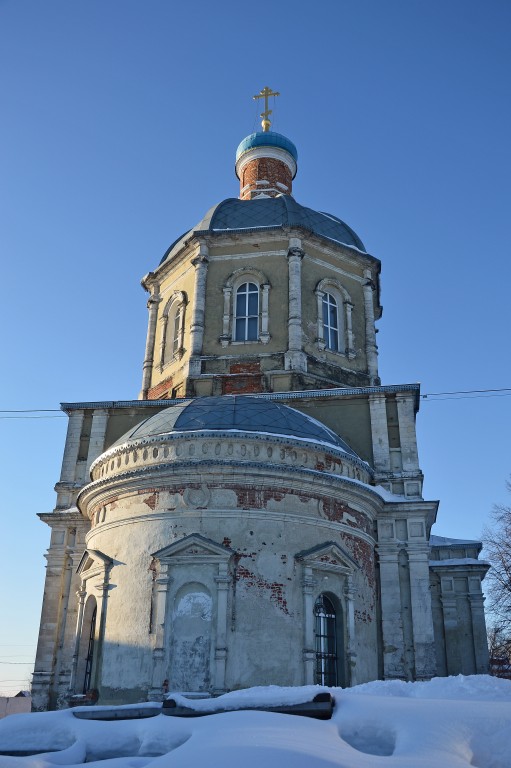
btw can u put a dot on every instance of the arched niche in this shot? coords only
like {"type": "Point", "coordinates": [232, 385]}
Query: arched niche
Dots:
{"type": "Point", "coordinates": [190, 638]}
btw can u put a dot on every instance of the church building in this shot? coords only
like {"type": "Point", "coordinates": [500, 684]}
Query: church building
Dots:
{"type": "Point", "coordinates": [256, 516]}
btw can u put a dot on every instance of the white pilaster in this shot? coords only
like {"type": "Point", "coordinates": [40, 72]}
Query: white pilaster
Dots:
{"type": "Point", "coordinates": [102, 589]}
{"type": "Point", "coordinates": [264, 336]}
{"type": "Point", "coordinates": [97, 435]}
{"type": "Point", "coordinates": [81, 595]}
{"type": "Point", "coordinates": [350, 351]}
{"type": "Point", "coordinates": [223, 581]}
{"type": "Point", "coordinates": [295, 359]}
{"type": "Point", "coordinates": [476, 601]}
{"type": "Point", "coordinates": [163, 583]}
{"type": "Point", "coordinates": [422, 618]}
{"type": "Point", "coordinates": [200, 262]}
{"type": "Point", "coordinates": [407, 436]}
{"type": "Point", "coordinates": [392, 624]}
{"type": "Point", "coordinates": [451, 629]}
{"type": "Point", "coordinates": [152, 306]}
{"type": "Point", "coordinates": [64, 487]}
{"type": "Point", "coordinates": [379, 432]}
{"type": "Point", "coordinates": [349, 592]}
{"type": "Point", "coordinates": [321, 330]}
{"type": "Point", "coordinates": [309, 654]}
{"type": "Point", "coordinates": [226, 336]}
{"type": "Point", "coordinates": [371, 346]}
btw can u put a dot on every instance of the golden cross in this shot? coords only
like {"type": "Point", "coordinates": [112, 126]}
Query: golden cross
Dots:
{"type": "Point", "coordinates": [267, 112]}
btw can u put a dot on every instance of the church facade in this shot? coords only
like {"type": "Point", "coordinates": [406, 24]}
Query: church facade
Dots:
{"type": "Point", "coordinates": [256, 516]}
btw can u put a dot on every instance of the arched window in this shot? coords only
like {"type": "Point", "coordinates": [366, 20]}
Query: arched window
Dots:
{"type": "Point", "coordinates": [325, 632]}
{"type": "Point", "coordinates": [330, 322]}
{"type": "Point", "coordinates": [90, 653]}
{"type": "Point", "coordinates": [246, 324]}
{"type": "Point", "coordinates": [246, 304]}
{"type": "Point", "coordinates": [85, 660]}
{"type": "Point", "coordinates": [172, 332]}
{"type": "Point", "coordinates": [176, 335]}
{"type": "Point", "coordinates": [335, 331]}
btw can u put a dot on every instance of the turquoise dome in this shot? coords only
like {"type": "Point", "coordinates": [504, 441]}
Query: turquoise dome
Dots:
{"type": "Point", "coordinates": [266, 139]}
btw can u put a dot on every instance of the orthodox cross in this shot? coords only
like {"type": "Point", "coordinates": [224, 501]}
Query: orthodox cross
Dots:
{"type": "Point", "coordinates": [267, 112]}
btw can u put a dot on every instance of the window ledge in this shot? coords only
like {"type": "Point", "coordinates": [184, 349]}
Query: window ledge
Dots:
{"type": "Point", "coordinates": [349, 354]}
{"type": "Point", "coordinates": [175, 359]}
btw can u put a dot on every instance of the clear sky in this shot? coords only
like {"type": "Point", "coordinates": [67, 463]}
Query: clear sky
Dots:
{"type": "Point", "coordinates": [120, 121]}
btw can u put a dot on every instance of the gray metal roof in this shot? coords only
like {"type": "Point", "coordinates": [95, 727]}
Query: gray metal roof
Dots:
{"type": "Point", "coordinates": [234, 215]}
{"type": "Point", "coordinates": [236, 412]}
{"type": "Point", "coordinates": [307, 394]}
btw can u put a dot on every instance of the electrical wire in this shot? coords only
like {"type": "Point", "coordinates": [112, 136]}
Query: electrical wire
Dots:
{"type": "Point", "coordinates": [462, 394]}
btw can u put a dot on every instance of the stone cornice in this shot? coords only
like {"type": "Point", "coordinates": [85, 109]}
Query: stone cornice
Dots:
{"type": "Point", "coordinates": [65, 518]}
{"type": "Point", "coordinates": [310, 394]}
{"type": "Point", "coordinates": [289, 518]}
{"type": "Point", "coordinates": [249, 474]}
{"type": "Point", "coordinates": [244, 447]}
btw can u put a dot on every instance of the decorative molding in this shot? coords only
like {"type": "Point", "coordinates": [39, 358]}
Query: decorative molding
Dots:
{"type": "Point", "coordinates": [328, 557]}
{"type": "Point", "coordinates": [194, 548]}
{"type": "Point", "coordinates": [233, 282]}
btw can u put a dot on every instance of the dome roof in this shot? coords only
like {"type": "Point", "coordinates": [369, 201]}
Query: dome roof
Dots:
{"type": "Point", "coordinates": [235, 215]}
{"type": "Point", "coordinates": [240, 413]}
{"type": "Point", "coordinates": [266, 139]}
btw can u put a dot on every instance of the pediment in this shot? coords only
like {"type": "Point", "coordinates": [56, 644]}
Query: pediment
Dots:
{"type": "Point", "coordinates": [194, 548]}
{"type": "Point", "coordinates": [328, 557]}
{"type": "Point", "coordinates": [91, 561]}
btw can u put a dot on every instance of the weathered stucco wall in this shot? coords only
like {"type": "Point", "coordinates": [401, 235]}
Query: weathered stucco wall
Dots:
{"type": "Point", "coordinates": [263, 519]}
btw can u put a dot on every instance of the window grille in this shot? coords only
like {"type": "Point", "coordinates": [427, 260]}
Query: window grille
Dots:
{"type": "Point", "coordinates": [325, 631]}
{"type": "Point", "coordinates": [90, 654]}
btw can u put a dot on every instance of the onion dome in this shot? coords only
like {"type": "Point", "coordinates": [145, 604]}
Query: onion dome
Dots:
{"type": "Point", "coordinates": [267, 139]}
{"type": "Point", "coordinates": [266, 164]}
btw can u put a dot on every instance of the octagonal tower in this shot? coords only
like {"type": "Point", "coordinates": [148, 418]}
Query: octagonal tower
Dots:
{"type": "Point", "coordinates": [263, 294]}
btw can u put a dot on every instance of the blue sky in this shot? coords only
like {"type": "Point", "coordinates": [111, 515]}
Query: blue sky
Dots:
{"type": "Point", "coordinates": [119, 128]}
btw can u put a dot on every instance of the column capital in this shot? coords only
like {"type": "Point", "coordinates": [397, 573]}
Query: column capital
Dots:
{"type": "Point", "coordinates": [222, 582]}
{"type": "Point", "coordinates": [200, 260]}
{"type": "Point", "coordinates": [295, 253]}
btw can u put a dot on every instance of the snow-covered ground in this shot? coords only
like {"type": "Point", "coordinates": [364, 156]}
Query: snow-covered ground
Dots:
{"type": "Point", "coordinates": [444, 723]}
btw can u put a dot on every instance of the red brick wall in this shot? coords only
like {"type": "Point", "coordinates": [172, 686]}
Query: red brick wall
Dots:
{"type": "Point", "coordinates": [161, 391]}
{"type": "Point", "coordinates": [265, 168]}
{"type": "Point", "coordinates": [245, 378]}
{"type": "Point", "coordinates": [238, 385]}
{"type": "Point", "coordinates": [245, 367]}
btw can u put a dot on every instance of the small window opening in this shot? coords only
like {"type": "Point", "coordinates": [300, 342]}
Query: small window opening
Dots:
{"type": "Point", "coordinates": [325, 642]}
{"type": "Point", "coordinates": [330, 322]}
{"type": "Point", "coordinates": [90, 654]}
{"type": "Point", "coordinates": [247, 312]}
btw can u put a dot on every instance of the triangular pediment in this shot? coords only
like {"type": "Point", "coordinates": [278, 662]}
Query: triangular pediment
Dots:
{"type": "Point", "coordinates": [194, 547]}
{"type": "Point", "coordinates": [91, 560]}
{"type": "Point", "coordinates": [328, 556]}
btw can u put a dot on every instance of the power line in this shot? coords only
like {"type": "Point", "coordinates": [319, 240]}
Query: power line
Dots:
{"type": "Point", "coordinates": [454, 395]}
{"type": "Point", "coordinates": [466, 392]}
{"type": "Point", "coordinates": [30, 410]}
{"type": "Point", "coordinates": [14, 657]}
{"type": "Point", "coordinates": [33, 417]}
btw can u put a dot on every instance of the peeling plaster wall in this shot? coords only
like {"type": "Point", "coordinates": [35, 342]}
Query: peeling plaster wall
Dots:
{"type": "Point", "coordinates": [262, 529]}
